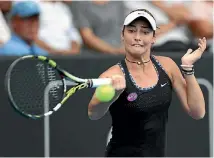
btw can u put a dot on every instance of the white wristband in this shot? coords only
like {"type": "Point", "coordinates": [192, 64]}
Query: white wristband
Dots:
{"type": "Point", "coordinates": [187, 66]}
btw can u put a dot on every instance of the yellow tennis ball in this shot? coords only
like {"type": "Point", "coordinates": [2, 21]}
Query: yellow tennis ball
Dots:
{"type": "Point", "coordinates": [105, 93]}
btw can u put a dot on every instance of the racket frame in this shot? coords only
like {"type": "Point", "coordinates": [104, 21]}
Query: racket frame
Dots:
{"type": "Point", "coordinates": [81, 84]}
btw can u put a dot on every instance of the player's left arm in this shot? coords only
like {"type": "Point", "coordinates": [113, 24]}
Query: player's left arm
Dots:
{"type": "Point", "coordinates": [187, 87]}
{"type": "Point", "coordinates": [188, 92]}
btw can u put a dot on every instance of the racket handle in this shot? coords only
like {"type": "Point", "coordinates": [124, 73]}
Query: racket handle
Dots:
{"type": "Point", "coordinates": [100, 82]}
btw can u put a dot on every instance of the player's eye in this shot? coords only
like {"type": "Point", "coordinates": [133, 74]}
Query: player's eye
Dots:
{"type": "Point", "coordinates": [131, 30]}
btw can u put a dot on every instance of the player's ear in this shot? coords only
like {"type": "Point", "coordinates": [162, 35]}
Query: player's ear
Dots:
{"type": "Point", "coordinates": [122, 34]}
{"type": "Point", "coordinates": [153, 39]}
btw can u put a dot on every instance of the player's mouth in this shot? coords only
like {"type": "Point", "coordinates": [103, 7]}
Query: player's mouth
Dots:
{"type": "Point", "coordinates": [137, 45]}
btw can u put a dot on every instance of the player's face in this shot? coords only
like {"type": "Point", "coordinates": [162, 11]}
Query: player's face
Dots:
{"type": "Point", "coordinates": [138, 37]}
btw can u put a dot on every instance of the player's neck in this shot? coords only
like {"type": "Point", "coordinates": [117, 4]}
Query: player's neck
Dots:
{"type": "Point", "coordinates": [138, 63]}
{"type": "Point", "coordinates": [141, 60]}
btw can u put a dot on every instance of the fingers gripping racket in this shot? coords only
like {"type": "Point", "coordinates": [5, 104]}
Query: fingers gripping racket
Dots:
{"type": "Point", "coordinates": [29, 77]}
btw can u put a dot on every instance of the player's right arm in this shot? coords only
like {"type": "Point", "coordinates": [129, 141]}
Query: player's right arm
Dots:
{"type": "Point", "coordinates": [97, 109]}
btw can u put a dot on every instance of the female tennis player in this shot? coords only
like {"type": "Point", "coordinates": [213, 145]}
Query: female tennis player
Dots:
{"type": "Point", "coordinates": [144, 83]}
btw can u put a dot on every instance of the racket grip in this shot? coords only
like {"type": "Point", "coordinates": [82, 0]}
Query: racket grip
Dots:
{"type": "Point", "coordinates": [100, 82]}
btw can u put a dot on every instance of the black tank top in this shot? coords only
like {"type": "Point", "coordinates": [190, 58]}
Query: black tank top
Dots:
{"type": "Point", "coordinates": [139, 116]}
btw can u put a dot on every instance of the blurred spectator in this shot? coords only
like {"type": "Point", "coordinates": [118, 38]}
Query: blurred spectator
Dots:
{"type": "Point", "coordinates": [197, 16]}
{"type": "Point", "coordinates": [5, 7]}
{"type": "Point", "coordinates": [200, 21]}
{"type": "Point", "coordinates": [25, 25]}
{"type": "Point", "coordinates": [100, 24]}
{"type": "Point", "coordinates": [57, 31]}
{"type": "Point", "coordinates": [172, 35]}
{"type": "Point", "coordinates": [4, 28]}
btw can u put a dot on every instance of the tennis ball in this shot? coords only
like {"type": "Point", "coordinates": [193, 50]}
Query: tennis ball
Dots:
{"type": "Point", "coordinates": [105, 93]}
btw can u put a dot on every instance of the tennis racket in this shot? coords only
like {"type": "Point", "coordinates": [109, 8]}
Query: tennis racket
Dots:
{"type": "Point", "coordinates": [33, 81]}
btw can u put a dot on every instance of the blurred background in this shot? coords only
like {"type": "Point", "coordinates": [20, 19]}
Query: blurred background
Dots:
{"type": "Point", "coordinates": [84, 38]}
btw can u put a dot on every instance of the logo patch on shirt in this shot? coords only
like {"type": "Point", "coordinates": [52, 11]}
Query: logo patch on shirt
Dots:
{"type": "Point", "coordinates": [132, 97]}
{"type": "Point", "coordinates": [162, 85]}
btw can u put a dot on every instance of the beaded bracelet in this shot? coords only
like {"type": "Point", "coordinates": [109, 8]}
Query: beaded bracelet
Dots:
{"type": "Point", "coordinates": [188, 72]}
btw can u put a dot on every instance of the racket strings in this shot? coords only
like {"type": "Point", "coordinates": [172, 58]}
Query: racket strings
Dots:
{"type": "Point", "coordinates": [28, 82]}
{"type": "Point", "coordinates": [52, 77]}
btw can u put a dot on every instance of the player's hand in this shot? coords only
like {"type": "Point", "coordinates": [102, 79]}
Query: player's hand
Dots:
{"type": "Point", "coordinates": [118, 82]}
{"type": "Point", "coordinates": [192, 56]}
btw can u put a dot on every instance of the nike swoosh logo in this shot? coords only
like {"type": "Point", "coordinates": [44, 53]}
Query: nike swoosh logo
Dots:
{"type": "Point", "coordinates": [162, 85]}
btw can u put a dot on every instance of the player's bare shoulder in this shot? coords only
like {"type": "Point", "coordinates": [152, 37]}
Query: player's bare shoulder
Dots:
{"type": "Point", "coordinates": [164, 60]}
{"type": "Point", "coordinates": [113, 70]}
{"type": "Point", "coordinates": [167, 63]}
